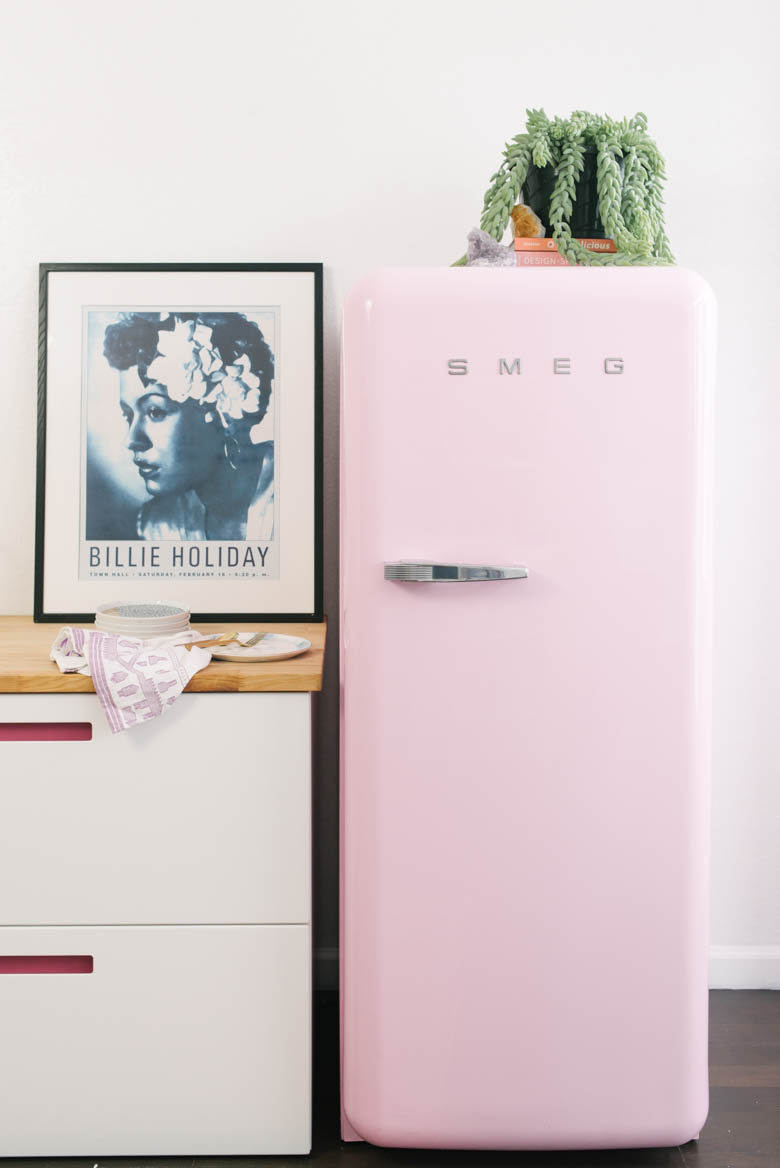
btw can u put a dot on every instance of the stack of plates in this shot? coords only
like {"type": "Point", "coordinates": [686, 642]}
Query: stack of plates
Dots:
{"type": "Point", "coordinates": [142, 620]}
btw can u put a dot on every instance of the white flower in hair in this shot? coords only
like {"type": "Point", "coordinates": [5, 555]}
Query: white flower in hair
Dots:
{"type": "Point", "coordinates": [237, 391]}
{"type": "Point", "coordinates": [188, 366]}
{"type": "Point", "coordinates": [185, 358]}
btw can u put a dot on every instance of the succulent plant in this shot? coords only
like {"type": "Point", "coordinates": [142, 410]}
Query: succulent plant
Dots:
{"type": "Point", "coordinates": [630, 174]}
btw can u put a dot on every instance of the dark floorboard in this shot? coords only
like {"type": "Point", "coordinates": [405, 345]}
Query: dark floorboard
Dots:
{"type": "Point", "coordinates": [743, 1129]}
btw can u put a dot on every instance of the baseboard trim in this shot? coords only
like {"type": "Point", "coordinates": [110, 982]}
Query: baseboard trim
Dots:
{"type": "Point", "coordinates": [745, 967]}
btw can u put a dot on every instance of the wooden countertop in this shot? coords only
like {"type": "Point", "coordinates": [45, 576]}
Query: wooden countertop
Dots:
{"type": "Point", "coordinates": [25, 666]}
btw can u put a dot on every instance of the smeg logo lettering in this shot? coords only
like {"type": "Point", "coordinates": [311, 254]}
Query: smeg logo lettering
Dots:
{"type": "Point", "coordinates": [459, 366]}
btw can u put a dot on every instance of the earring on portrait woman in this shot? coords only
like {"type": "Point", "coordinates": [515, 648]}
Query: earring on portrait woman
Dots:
{"type": "Point", "coordinates": [232, 451]}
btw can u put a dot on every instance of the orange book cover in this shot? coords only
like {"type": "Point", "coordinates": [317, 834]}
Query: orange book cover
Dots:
{"type": "Point", "coordinates": [533, 243]}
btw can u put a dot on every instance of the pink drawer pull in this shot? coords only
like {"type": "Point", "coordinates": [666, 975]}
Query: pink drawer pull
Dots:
{"type": "Point", "coordinates": [45, 731]}
{"type": "Point", "coordinates": [50, 963]}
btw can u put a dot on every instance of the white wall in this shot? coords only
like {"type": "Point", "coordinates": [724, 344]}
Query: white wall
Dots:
{"type": "Point", "coordinates": [364, 134]}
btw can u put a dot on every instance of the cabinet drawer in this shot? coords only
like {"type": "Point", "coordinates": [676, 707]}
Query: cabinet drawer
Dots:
{"type": "Point", "coordinates": [202, 816]}
{"type": "Point", "coordinates": [181, 1041]}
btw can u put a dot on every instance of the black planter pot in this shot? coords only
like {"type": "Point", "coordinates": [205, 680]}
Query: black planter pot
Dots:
{"type": "Point", "coordinates": [586, 219]}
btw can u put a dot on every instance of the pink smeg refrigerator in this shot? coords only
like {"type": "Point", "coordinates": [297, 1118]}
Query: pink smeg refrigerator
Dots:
{"type": "Point", "coordinates": [525, 672]}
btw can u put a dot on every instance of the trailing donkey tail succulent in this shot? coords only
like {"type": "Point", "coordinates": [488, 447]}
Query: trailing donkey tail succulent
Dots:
{"type": "Point", "coordinates": [629, 174]}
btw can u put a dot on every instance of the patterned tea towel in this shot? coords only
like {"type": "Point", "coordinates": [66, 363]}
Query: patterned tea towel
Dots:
{"type": "Point", "coordinates": [135, 680]}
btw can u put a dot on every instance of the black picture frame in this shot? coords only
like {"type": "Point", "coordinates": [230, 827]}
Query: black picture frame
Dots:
{"type": "Point", "coordinates": [309, 423]}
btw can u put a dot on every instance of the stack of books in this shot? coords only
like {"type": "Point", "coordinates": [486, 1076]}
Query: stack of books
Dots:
{"type": "Point", "coordinates": [531, 252]}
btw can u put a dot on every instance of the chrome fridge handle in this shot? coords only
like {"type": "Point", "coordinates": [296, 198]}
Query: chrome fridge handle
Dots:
{"type": "Point", "coordinates": [419, 572]}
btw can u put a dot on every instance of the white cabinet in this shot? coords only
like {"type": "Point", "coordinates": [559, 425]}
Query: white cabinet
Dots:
{"type": "Point", "coordinates": [198, 817]}
{"type": "Point", "coordinates": [184, 1039]}
{"type": "Point", "coordinates": [174, 860]}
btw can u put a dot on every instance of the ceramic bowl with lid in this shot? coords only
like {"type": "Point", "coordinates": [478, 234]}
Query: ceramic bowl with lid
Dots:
{"type": "Point", "coordinates": [142, 620]}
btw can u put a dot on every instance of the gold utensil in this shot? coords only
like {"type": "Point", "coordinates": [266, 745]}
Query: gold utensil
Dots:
{"type": "Point", "coordinates": [224, 639]}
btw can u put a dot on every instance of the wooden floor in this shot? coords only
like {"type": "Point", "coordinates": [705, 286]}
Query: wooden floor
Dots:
{"type": "Point", "coordinates": [743, 1129]}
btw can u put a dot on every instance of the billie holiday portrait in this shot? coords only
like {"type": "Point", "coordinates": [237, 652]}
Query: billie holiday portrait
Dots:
{"type": "Point", "coordinates": [179, 425]}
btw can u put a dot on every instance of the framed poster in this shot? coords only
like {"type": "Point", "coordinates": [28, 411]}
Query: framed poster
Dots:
{"type": "Point", "coordinates": [180, 439]}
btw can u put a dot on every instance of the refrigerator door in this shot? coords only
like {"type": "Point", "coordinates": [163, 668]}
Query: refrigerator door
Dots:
{"type": "Point", "coordinates": [525, 760]}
